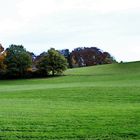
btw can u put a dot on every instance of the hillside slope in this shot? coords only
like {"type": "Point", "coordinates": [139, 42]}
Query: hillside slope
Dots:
{"type": "Point", "coordinates": [91, 103]}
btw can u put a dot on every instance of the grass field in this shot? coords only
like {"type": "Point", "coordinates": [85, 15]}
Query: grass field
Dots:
{"type": "Point", "coordinates": [92, 103]}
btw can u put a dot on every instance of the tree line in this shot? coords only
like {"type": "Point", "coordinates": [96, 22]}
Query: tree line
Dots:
{"type": "Point", "coordinates": [17, 62]}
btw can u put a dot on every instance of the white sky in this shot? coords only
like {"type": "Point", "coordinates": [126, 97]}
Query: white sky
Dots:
{"type": "Point", "coordinates": [111, 25]}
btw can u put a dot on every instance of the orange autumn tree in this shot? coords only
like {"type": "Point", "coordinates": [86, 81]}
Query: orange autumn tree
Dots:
{"type": "Point", "coordinates": [2, 56]}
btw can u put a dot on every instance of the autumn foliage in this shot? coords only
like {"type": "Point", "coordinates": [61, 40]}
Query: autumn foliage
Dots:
{"type": "Point", "coordinates": [2, 57]}
{"type": "Point", "coordinates": [16, 62]}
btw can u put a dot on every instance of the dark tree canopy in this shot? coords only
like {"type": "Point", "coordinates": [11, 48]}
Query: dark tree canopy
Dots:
{"type": "Point", "coordinates": [89, 56]}
{"type": "Point", "coordinates": [17, 60]}
{"type": "Point", "coordinates": [42, 64]}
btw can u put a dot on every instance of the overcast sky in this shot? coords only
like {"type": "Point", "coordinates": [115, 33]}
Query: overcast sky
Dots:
{"type": "Point", "coordinates": [111, 25]}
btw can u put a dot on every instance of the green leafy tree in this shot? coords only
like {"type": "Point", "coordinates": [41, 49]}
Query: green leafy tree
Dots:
{"type": "Point", "coordinates": [42, 65]}
{"type": "Point", "coordinates": [17, 60]}
{"type": "Point", "coordinates": [56, 62]}
{"type": "Point", "coordinates": [53, 62]}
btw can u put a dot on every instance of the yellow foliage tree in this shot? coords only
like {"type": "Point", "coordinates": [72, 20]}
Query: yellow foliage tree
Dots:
{"type": "Point", "coordinates": [2, 56]}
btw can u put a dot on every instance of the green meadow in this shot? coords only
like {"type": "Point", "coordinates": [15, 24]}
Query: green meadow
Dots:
{"type": "Point", "coordinates": [90, 103]}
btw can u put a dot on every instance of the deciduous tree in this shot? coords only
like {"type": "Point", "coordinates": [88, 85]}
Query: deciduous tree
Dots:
{"type": "Point", "coordinates": [2, 56]}
{"type": "Point", "coordinates": [53, 62]}
{"type": "Point", "coordinates": [17, 60]}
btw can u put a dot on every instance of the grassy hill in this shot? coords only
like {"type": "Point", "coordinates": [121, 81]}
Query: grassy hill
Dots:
{"type": "Point", "coordinates": [91, 103]}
